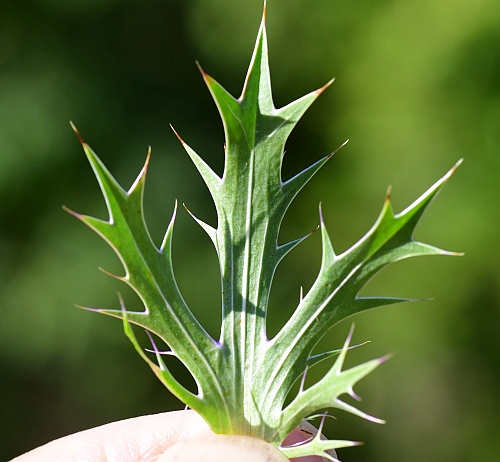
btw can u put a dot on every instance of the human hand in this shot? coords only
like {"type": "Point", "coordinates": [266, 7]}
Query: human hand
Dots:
{"type": "Point", "coordinates": [179, 436]}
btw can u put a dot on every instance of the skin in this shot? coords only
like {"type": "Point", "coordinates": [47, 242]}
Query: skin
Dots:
{"type": "Point", "coordinates": [179, 436]}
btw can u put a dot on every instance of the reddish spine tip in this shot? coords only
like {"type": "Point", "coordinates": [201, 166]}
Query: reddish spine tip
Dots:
{"type": "Point", "coordinates": [185, 208]}
{"type": "Point", "coordinates": [385, 358]}
{"type": "Point", "coordinates": [86, 308]}
{"type": "Point", "coordinates": [453, 169]}
{"type": "Point", "coordinates": [148, 158]}
{"type": "Point", "coordinates": [338, 149]}
{"type": "Point", "coordinates": [388, 194]}
{"type": "Point", "coordinates": [77, 133]}
{"type": "Point", "coordinates": [208, 80]}
{"type": "Point", "coordinates": [177, 135]}
{"type": "Point", "coordinates": [203, 73]}
{"type": "Point", "coordinates": [71, 212]}
{"type": "Point", "coordinates": [114, 276]}
{"type": "Point", "coordinates": [324, 87]}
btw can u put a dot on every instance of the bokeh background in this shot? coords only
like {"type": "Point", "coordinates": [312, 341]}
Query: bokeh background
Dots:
{"type": "Point", "coordinates": [418, 87]}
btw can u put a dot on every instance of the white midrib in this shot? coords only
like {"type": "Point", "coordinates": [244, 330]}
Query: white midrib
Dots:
{"type": "Point", "coordinates": [245, 287]}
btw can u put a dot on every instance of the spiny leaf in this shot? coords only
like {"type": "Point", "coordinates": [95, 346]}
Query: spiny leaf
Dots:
{"type": "Point", "coordinates": [244, 378]}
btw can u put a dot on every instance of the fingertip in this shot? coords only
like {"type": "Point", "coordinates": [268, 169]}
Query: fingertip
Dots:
{"type": "Point", "coordinates": [223, 448]}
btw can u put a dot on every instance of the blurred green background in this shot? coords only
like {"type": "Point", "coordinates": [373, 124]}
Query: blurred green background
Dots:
{"type": "Point", "coordinates": [418, 87]}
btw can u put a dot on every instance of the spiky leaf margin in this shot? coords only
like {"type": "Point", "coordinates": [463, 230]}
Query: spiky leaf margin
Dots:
{"type": "Point", "coordinates": [244, 378]}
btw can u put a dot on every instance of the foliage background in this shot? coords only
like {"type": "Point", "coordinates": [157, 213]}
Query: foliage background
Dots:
{"type": "Point", "coordinates": [417, 88]}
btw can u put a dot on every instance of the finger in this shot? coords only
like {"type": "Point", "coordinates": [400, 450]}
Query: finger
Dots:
{"type": "Point", "coordinates": [223, 448]}
{"type": "Point", "coordinates": [141, 439]}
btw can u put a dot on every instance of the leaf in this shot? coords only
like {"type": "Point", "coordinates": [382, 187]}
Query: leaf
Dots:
{"type": "Point", "coordinates": [243, 377]}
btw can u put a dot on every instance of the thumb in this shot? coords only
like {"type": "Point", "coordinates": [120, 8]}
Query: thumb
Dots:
{"type": "Point", "coordinates": [223, 448]}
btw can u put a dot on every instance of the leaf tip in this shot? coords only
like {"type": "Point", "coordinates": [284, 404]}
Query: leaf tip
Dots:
{"type": "Point", "coordinates": [388, 194]}
{"type": "Point", "coordinates": [353, 394]}
{"type": "Point", "coordinates": [349, 336]}
{"type": "Point", "coordinates": [77, 133]}
{"type": "Point", "coordinates": [321, 219]}
{"type": "Point", "coordinates": [456, 254]}
{"type": "Point", "coordinates": [324, 87]}
{"type": "Point", "coordinates": [114, 276]}
{"type": "Point", "coordinates": [186, 208]}
{"type": "Point", "coordinates": [177, 135]}
{"type": "Point", "coordinates": [202, 72]}
{"type": "Point", "coordinates": [384, 358]}
{"type": "Point", "coordinates": [338, 149]}
{"type": "Point", "coordinates": [454, 168]}
{"type": "Point", "coordinates": [86, 308]}
{"type": "Point", "coordinates": [72, 212]}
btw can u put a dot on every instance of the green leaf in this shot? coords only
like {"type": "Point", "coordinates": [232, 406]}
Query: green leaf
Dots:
{"type": "Point", "coordinates": [243, 377]}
